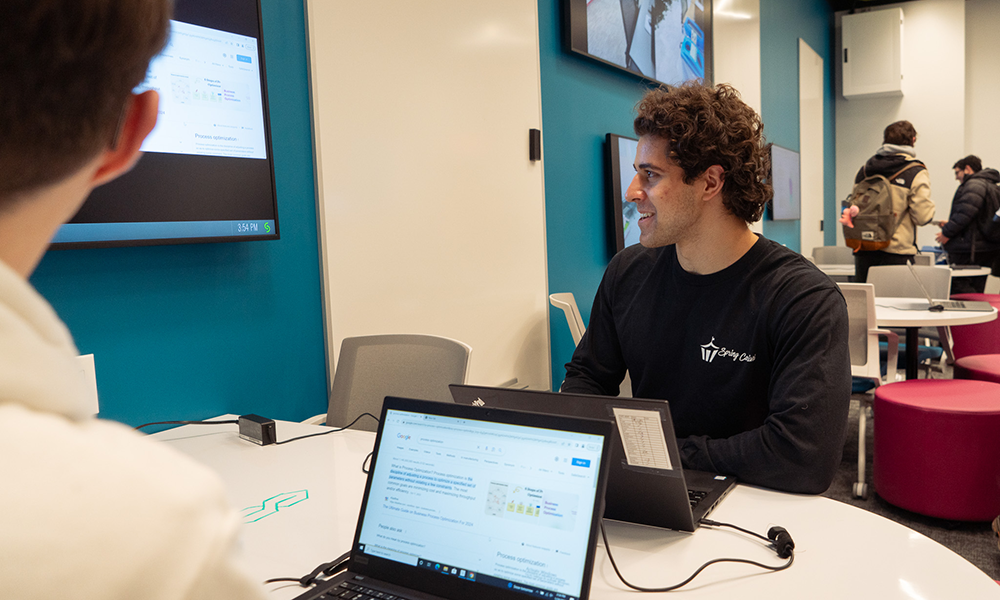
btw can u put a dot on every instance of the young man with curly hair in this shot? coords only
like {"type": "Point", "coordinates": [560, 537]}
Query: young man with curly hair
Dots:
{"type": "Point", "coordinates": [746, 339]}
{"type": "Point", "coordinates": [90, 509]}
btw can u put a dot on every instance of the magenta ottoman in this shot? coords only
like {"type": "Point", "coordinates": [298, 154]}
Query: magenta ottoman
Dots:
{"type": "Point", "coordinates": [981, 338]}
{"type": "Point", "coordinates": [982, 367]}
{"type": "Point", "coordinates": [937, 447]}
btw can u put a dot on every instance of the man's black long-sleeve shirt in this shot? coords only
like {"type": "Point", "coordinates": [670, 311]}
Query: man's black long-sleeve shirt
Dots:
{"type": "Point", "coordinates": [753, 359]}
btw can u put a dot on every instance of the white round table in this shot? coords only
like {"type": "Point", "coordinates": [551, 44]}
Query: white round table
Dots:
{"type": "Point", "coordinates": [977, 272]}
{"type": "Point", "coordinates": [912, 313]}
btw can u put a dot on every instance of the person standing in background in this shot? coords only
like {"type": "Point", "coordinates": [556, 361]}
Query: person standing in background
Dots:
{"type": "Point", "coordinates": [911, 197]}
{"type": "Point", "coordinates": [964, 235]}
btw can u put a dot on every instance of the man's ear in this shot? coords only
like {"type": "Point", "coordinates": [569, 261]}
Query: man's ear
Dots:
{"type": "Point", "coordinates": [714, 178]}
{"type": "Point", "coordinates": [139, 120]}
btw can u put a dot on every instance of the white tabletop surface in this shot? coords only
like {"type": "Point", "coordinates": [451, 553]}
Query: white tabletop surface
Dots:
{"type": "Point", "coordinates": [848, 269]}
{"type": "Point", "coordinates": [841, 551]}
{"type": "Point", "coordinates": [912, 312]}
{"type": "Point", "coordinates": [971, 272]}
{"type": "Point", "coordinates": [836, 269]}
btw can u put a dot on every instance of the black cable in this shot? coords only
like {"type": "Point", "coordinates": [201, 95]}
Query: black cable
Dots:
{"type": "Point", "coordinates": [711, 523]}
{"type": "Point", "coordinates": [327, 569]}
{"type": "Point", "coordinates": [189, 423]}
{"type": "Point", "coordinates": [364, 469]}
{"type": "Point", "coordinates": [607, 548]}
{"type": "Point", "coordinates": [302, 437]}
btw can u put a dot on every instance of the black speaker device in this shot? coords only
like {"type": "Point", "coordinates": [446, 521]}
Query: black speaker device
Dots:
{"type": "Point", "coordinates": [257, 429]}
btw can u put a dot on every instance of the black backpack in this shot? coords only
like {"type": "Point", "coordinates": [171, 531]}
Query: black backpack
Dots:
{"type": "Point", "coordinates": [989, 225]}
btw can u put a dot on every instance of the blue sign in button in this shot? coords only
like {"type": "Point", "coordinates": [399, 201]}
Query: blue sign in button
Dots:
{"type": "Point", "coordinates": [581, 462]}
{"type": "Point", "coordinates": [241, 58]}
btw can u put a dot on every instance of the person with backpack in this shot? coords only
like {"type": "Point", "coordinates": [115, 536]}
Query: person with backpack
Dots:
{"type": "Point", "coordinates": [898, 186]}
{"type": "Point", "coordinates": [967, 236]}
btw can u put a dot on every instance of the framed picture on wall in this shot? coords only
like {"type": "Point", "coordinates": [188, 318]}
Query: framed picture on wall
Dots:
{"type": "Point", "coordinates": [666, 41]}
{"type": "Point", "coordinates": [786, 205]}
{"type": "Point", "coordinates": [619, 154]}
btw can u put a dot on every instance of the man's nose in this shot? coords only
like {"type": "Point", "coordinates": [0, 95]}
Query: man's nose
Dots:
{"type": "Point", "coordinates": [634, 192]}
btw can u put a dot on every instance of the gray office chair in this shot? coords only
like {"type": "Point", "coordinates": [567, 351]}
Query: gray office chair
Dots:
{"type": "Point", "coordinates": [863, 336]}
{"type": "Point", "coordinates": [833, 255]}
{"type": "Point", "coordinates": [567, 303]}
{"type": "Point", "coordinates": [375, 366]}
{"type": "Point", "coordinates": [896, 281]}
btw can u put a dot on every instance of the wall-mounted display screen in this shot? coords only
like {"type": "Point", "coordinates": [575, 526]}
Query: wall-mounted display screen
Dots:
{"type": "Point", "coordinates": [785, 174]}
{"type": "Point", "coordinates": [667, 41]}
{"type": "Point", "coordinates": [207, 172]}
{"type": "Point", "coordinates": [619, 171]}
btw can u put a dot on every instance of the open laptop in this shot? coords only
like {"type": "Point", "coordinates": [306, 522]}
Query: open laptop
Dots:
{"type": "Point", "coordinates": [646, 484]}
{"type": "Point", "coordinates": [469, 502]}
{"type": "Point", "coordinates": [939, 305]}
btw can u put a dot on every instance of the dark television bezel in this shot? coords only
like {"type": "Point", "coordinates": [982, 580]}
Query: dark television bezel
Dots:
{"type": "Point", "coordinates": [265, 107]}
{"type": "Point", "coordinates": [770, 203]}
{"type": "Point", "coordinates": [613, 186]}
{"type": "Point", "coordinates": [575, 27]}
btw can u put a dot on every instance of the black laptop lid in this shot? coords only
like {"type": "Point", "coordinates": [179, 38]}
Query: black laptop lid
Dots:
{"type": "Point", "coordinates": [643, 492]}
{"type": "Point", "coordinates": [470, 502]}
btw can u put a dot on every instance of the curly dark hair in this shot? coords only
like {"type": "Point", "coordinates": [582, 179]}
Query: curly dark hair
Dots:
{"type": "Point", "coordinates": [67, 68]}
{"type": "Point", "coordinates": [710, 125]}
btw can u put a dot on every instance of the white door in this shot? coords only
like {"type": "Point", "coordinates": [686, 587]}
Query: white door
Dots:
{"type": "Point", "coordinates": [432, 214]}
{"type": "Point", "coordinates": [811, 148]}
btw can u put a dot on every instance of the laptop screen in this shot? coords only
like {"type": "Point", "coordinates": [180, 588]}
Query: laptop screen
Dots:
{"type": "Point", "coordinates": [500, 504]}
{"type": "Point", "coordinates": [913, 272]}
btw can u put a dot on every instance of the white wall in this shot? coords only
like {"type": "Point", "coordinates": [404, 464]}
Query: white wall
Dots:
{"type": "Point", "coordinates": [432, 216]}
{"type": "Point", "coordinates": [982, 88]}
{"type": "Point", "coordinates": [934, 90]}
{"type": "Point", "coordinates": [736, 52]}
{"type": "Point", "coordinates": [982, 81]}
{"type": "Point", "coordinates": [811, 143]}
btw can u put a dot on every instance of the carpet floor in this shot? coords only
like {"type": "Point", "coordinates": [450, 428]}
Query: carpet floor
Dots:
{"type": "Point", "coordinates": [976, 542]}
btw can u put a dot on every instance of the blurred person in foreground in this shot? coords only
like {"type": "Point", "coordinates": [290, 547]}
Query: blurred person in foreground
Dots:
{"type": "Point", "coordinates": [91, 509]}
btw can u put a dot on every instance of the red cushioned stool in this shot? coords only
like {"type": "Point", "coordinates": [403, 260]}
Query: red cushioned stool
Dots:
{"type": "Point", "coordinates": [937, 447]}
{"type": "Point", "coordinates": [981, 338]}
{"type": "Point", "coordinates": [982, 367]}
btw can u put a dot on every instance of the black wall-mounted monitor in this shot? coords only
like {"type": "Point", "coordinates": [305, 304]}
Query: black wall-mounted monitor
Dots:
{"type": "Point", "coordinates": [207, 173]}
{"type": "Point", "coordinates": [666, 41]}
{"type": "Point", "coordinates": [619, 171]}
{"type": "Point", "coordinates": [786, 204]}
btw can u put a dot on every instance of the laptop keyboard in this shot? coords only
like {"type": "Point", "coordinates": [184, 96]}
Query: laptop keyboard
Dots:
{"type": "Point", "coordinates": [695, 496]}
{"type": "Point", "coordinates": [352, 591]}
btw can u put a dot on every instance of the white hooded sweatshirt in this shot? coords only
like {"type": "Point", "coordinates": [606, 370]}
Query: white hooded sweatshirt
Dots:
{"type": "Point", "coordinates": [90, 509]}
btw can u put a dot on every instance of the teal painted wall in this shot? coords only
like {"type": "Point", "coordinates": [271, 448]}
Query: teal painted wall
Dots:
{"type": "Point", "coordinates": [192, 331]}
{"type": "Point", "coordinates": [186, 332]}
{"type": "Point", "coordinates": [583, 100]}
{"type": "Point", "coordinates": [782, 23]}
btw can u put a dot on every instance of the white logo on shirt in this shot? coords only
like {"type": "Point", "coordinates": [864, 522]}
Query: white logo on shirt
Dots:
{"type": "Point", "coordinates": [709, 350]}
